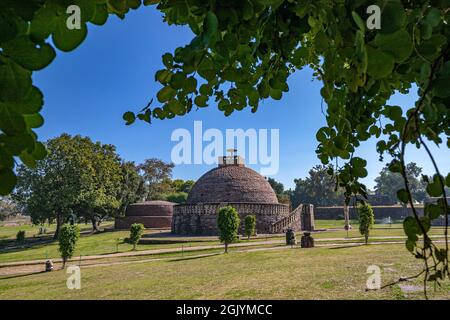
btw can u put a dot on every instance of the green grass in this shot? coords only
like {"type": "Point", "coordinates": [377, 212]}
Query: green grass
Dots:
{"type": "Point", "coordinates": [319, 273]}
{"type": "Point", "coordinates": [105, 242]}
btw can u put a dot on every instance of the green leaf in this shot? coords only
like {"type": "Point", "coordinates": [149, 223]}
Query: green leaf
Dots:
{"type": "Point", "coordinates": [398, 43]}
{"type": "Point", "coordinates": [7, 181]}
{"type": "Point", "coordinates": [178, 80]}
{"type": "Point", "coordinates": [380, 64]}
{"type": "Point", "coordinates": [8, 26]}
{"type": "Point", "coordinates": [247, 10]}
{"type": "Point", "coordinates": [210, 28]}
{"type": "Point", "coordinates": [393, 16]}
{"type": "Point", "coordinates": [27, 159]}
{"type": "Point", "coordinates": [402, 195]}
{"type": "Point", "coordinates": [359, 22]}
{"type": "Point", "coordinates": [34, 120]}
{"type": "Point", "coordinates": [433, 17]}
{"type": "Point", "coordinates": [165, 94]}
{"type": "Point", "coordinates": [411, 227]}
{"type": "Point", "coordinates": [15, 81]}
{"type": "Point", "coordinates": [151, 2]}
{"type": "Point", "coordinates": [11, 122]}
{"type": "Point", "coordinates": [410, 245]}
{"type": "Point", "coordinates": [31, 103]}
{"type": "Point", "coordinates": [129, 117]}
{"type": "Point", "coordinates": [101, 15]}
{"type": "Point", "coordinates": [201, 101]}
{"type": "Point", "coordinates": [39, 151]}
{"type": "Point", "coordinates": [66, 39]}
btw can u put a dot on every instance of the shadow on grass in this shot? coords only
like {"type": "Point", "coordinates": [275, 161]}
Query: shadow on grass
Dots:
{"type": "Point", "coordinates": [21, 275]}
{"type": "Point", "coordinates": [196, 257]}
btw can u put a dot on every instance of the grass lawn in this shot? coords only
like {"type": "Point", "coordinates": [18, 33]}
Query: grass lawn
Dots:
{"type": "Point", "coordinates": [319, 273]}
{"type": "Point", "coordinates": [105, 242]}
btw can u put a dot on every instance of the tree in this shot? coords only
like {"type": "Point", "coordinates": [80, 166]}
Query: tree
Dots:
{"type": "Point", "coordinates": [78, 177]}
{"type": "Point", "coordinates": [318, 188]}
{"type": "Point", "coordinates": [68, 238]}
{"type": "Point", "coordinates": [156, 174]}
{"type": "Point", "coordinates": [250, 225]}
{"type": "Point", "coordinates": [20, 237]}
{"type": "Point", "coordinates": [228, 224]}
{"type": "Point", "coordinates": [132, 187]}
{"type": "Point", "coordinates": [177, 197]}
{"type": "Point", "coordinates": [283, 196]}
{"type": "Point", "coordinates": [8, 208]}
{"type": "Point", "coordinates": [244, 52]}
{"type": "Point", "coordinates": [136, 231]}
{"type": "Point", "coordinates": [387, 183]}
{"type": "Point", "coordinates": [52, 188]}
{"type": "Point", "coordinates": [180, 185]}
{"type": "Point", "coordinates": [366, 219]}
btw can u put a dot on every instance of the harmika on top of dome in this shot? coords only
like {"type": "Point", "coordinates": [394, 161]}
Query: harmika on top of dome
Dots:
{"type": "Point", "coordinates": [232, 183]}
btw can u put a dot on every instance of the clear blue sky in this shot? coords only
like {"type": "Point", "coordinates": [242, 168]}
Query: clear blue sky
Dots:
{"type": "Point", "coordinates": [87, 91]}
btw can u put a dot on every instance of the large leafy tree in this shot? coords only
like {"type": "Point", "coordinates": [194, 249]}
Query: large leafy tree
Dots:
{"type": "Point", "coordinates": [157, 177]}
{"type": "Point", "coordinates": [132, 186]}
{"type": "Point", "coordinates": [319, 188]}
{"type": "Point", "coordinates": [51, 189]}
{"type": "Point", "coordinates": [387, 183]}
{"type": "Point", "coordinates": [78, 177]}
{"type": "Point", "coordinates": [243, 52]}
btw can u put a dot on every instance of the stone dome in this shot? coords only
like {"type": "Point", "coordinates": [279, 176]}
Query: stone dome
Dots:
{"type": "Point", "coordinates": [234, 184]}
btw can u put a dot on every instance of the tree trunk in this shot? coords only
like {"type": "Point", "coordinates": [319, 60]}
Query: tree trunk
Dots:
{"type": "Point", "coordinates": [95, 225]}
{"type": "Point", "coordinates": [367, 238]}
{"type": "Point", "coordinates": [58, 225]}
{"type": "Point", "coordinates": [226, 247]}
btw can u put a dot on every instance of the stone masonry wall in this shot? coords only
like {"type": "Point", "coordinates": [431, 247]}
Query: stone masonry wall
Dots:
{"type": "Point", "coordinates": [201, 219]}
{"type": "Point", "coordinates": [380, 212]}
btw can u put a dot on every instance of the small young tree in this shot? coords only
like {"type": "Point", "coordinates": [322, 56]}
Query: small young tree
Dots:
{"type": "Point", "coordinates": [228, 223]}
{"type": "Point", "coordinates": [250, 225]}
{"type": "Point", "coordinates": [366, 219]}
{"type": "Point", "coordinates": [20, 237]}
{"type": "Point", "coordinates": [136, 231]}
{"type": "Point", "coordinates": [68, 237]}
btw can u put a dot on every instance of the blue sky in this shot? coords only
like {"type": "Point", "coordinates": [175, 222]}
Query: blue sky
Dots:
{"type": "Point", "coordinates": [87, 91]}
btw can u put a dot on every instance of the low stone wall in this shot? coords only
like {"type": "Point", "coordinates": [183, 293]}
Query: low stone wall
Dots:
{"type": "Point", "coordinates": [380, 212]}
{"type": "Point", "coordinates": [201, 219]}
{"type": "Point", "coordinates": [148, 222]}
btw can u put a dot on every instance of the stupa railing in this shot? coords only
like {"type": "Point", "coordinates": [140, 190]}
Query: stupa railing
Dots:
{"type": "Point", "coordinates": [284, 223]}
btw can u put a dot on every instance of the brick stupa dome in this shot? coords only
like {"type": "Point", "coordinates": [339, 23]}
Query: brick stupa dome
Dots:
{"type": "Point", "coordinates": [232, 183]}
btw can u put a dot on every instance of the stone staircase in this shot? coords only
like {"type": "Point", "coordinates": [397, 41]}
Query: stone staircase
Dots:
{"type": "Point", "coordinates": [287, 222]}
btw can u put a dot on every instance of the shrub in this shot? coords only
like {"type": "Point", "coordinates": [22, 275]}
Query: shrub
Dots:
{"type": "Point", "coordinates": [68, 237]}
{"type": "Point", "coordinates": [20, 237]}
{"type": "Point", "coordinates": [366, 219]}
{"type": "Point", "coordinates": [177, 197]}
{"type": "Point", "coordinates": [136, 231]}
{"type": "Point", "coordinates": [250, 225]}
{"type": "Point", "coordinates": [228, 223]}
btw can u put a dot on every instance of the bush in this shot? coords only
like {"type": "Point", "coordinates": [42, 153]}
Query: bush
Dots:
{"type": "Point", "coordinates": [177, 197]}
{"type": "Point", "coordinates": [250, 225]}
{"type": "Point", "coordinates": [228, 223]}
{"type": "Point", "coordinates": [20, 237]}
{"type": "Point", "coordinates": [68, 237]}
{"type": "Point", "coordinates": [366, 219]}
{"type": "Point", "coordinates": [136, 231]}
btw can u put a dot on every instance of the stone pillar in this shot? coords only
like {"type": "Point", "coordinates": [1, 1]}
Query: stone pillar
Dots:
{"type": "Point", "coordinates": [290, 237]}
{"type": "Point", "coordinates": [307, 217]}
{"type": "Point", "coordinates": [307, 241]}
